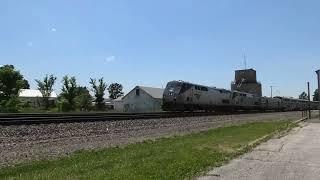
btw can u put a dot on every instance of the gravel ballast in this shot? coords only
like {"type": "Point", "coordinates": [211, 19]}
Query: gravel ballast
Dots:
{"type": "Point", "coordinates": [45, 141]}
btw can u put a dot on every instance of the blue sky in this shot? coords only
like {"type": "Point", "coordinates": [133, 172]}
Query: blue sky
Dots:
{"type": "Point", "coordinates": [150, 42]}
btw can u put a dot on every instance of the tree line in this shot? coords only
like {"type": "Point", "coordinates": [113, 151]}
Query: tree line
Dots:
{"type": "Point", "coordinates": [304, 96]}
{"type": "Point", "coordinates": [72, 97]}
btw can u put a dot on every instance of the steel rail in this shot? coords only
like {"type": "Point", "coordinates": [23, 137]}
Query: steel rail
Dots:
{"type": "Point", "coordinates": [46, 118]}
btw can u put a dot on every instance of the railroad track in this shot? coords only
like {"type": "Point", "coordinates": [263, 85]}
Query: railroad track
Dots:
{"type": "Point", "coordinates": [46, 118]}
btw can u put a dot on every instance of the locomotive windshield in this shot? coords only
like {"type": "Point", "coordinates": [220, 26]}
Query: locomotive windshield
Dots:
{"type": "Point", "coordinates": [178, 87]}
{"type": "Point", "coordinates": [173, 85]}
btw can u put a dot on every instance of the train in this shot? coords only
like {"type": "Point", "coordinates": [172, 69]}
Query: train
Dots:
{"type": "Point", "coordinates": [185, 96]}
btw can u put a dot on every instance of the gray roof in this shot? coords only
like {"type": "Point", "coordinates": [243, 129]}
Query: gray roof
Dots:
{"type": "Point", "coordinates": [154, 92]}
{"type": "Point", "coordinates": [119, 98]}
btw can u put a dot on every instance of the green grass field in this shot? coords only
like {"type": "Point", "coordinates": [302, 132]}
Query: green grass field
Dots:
{"type": "Point", "coordinates": [177, 157]}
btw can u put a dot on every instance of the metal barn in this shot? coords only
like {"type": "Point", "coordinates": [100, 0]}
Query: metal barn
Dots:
{"type": "Point", "coordinates": [34, 98]}
{"type": "Point", "coordinates": [141, 99]}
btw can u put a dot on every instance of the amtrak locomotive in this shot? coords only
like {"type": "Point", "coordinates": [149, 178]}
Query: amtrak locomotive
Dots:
{"type": "Point", "coordinates": [184, 96]}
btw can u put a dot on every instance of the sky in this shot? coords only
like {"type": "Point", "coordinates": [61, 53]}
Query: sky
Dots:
{"type": "Point", "coordinates": [151, 42]}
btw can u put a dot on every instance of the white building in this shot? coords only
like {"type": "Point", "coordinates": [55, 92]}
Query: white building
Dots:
{"type": "Point", "coordinates": [140, 99]}
{"type": "Point", "coordinates": [34, 97]}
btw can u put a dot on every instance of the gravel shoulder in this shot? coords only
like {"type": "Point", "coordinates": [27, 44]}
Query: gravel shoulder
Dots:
{"type": "Point", "coordinates": [33, 142]}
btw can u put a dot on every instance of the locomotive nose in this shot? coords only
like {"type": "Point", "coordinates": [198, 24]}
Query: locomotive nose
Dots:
{"type": "Point", "coordinates": [169, 101]}
{"type": "Point", "coordinates": [170, 93]}
{"type": "Point", "coordinates": [170, 96]}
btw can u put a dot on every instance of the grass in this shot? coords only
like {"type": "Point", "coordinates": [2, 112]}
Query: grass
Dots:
{"type": "Point", "coordinates": [38, 110]}
{"type": "Point", "coordinates": [178, 157]}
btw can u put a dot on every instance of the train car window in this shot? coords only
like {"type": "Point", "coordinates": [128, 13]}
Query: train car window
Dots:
{"type": "Point", "coordinates": [137, 92]}
{"type": "Point", "coordinates": [204, 89]}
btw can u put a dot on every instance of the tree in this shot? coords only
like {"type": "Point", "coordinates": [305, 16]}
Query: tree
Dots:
{"type": "Point", "coordinates": [83, 99]}
{"type": "Point", "coordinates": [315, 95]}
{"type": "Point", "coordinates": [11, 81]}
{"type": "Point", "coordinates": [69, 93]}
{"type": "Point", "coordinates": [10, 105]}
{"type": "Point", "coordinates": [99, 92]}
{"type": "Point", "coordinates": [46, 88]}
{"type": "Point", "coordinates": [26, 84]}
{"type": "Point", "coordinates": [115, 90]}
{"type": "Point", "coordinates": [303, 95]}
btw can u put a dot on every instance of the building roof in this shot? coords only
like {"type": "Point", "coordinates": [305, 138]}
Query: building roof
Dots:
{"type": "Point", "coordinates": [119, 98]}
{"type": "Point", "coordinates": [34, 93]}
{"type": "Point", "coordinates": [251, 69]}
{"type": "Point", "coordinates": [154, 92]}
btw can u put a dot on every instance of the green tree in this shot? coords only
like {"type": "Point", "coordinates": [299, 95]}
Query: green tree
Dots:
{"type": "Point", "coordinates": [83, 99]}
{"type": "Point", "coordinates": [46, 87]}
{"type": "Point", "coordinates": [26, 84]}
{"type": "Point", "coordinates": [303, 95]}
{"type": "Point", "coordinates": [11, 81]}
{"type": "Point", "coordinates": [115, 90]}
{"type": "Point", "coordinates": [315, 95]}
{"type": "Point", "coordinates": [69, 93]}
{"type": "Point", "coordinates": [11, 105]}
{"type": "Point", "coordinates": [99, 92]}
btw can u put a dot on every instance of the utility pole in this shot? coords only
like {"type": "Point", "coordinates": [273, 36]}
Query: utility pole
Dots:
{"type": "Point", "coordinates": [245, 61]}
{"type": "Point", "coordinates": [318, 73]}
{"type": "Point", "coordinates": [271, 87]}
{"type": "Point", "coordinates": [309, 103]}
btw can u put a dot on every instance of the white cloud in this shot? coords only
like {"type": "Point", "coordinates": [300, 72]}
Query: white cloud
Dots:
{"type": "Point", "coordinates": [110, 59]}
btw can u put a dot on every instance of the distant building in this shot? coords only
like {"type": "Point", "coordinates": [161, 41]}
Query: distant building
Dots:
{"type": "Point", "coordinates": [246, 81]}
{"type": "Point", "coordinates": [109, 104]}
{"type": "Point", "coordinates": [140, 99]}
{"type": "Point", "coordinates": [34, 97]}
{"type": "Point", "coordinates": [118, 104]}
